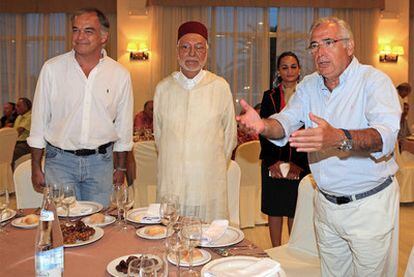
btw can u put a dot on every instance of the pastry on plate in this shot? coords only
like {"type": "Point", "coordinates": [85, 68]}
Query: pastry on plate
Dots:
{"type": "Point", "coordinates": [97, 218]}
{"type": "Point", "coordinates": [30, 219]}
{"type": "Point", "coordinates": [155, 230]}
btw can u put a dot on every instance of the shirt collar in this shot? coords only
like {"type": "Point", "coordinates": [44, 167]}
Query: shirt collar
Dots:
{"type": "Point", "coordinates": [344, 76]}
{"type": "Point", "coordinates": [189, 83]}
{"type": "Point", "coordinates": [104, 55]}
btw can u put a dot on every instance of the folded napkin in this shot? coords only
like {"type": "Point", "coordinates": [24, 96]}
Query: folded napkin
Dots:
{"type": "Point", "coordinates": [153, 214]}
{"type": "Point", "coordinates": [263, 268]}
{"type": "Point", "coordinates": [215, 231]}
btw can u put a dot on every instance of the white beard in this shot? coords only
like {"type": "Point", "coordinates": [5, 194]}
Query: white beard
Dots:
{"type": "Point", "coordinates": [200, 66]}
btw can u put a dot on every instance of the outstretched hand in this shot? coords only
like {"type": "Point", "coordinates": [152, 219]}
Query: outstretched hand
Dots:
{"type": "Point", "coordinates": [322, 137]}
{"type": "Point", "coordinates": [250, 119]}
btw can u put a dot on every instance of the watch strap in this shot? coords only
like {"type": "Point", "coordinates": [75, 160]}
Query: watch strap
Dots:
{"type": "Point", "coordinates": [347, 134]}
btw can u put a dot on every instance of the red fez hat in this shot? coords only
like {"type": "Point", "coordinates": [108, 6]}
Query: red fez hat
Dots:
{"type": "Point", "coordinates": [194, 27]}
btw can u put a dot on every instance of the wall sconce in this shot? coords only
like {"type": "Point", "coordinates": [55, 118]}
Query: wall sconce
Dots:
{"type": "Point", "coordinates": [138, 54]}
{"type": "Point", "coordinates": [390, 55]}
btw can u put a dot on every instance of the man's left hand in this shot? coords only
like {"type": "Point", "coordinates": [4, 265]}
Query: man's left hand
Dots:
{"type": "Point", "coordinates": [119, 177]}
{"type": "Point", "coordinates": [322, 137]}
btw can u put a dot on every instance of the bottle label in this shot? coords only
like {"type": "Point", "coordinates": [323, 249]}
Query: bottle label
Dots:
{"type": "Point", "coordinates": [46, 215]}
{"type": "Point", "coordinates": [50, 262]}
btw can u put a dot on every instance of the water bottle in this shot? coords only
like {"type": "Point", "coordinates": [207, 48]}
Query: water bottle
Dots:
{"type": "Point", "coordinates": [49, 240]}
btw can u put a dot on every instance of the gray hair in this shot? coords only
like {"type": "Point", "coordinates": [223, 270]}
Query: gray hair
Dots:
{"type": "Point", "coordinates": [344, 27]}
{"type": "Point", "coordinates": [103, 20]}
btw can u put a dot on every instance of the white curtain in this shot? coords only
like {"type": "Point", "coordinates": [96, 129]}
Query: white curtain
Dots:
{"type": "Point", "coordinates": [26, 42]}
{"type": "Point", "coordinates": [294, 25]}
{"type": "Point", "coordinates": [238, 45]}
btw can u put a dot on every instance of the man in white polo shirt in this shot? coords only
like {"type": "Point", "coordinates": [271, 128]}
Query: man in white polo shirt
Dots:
{"type": "Point", "coordinates": [82, 112]}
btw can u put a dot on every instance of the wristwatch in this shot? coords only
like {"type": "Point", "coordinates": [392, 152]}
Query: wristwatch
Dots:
{"type": "Point", "coordinates": [346, 144]}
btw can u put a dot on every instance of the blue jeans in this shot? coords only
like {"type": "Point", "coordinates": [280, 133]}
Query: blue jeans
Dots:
{"type": "Point", "coordinates": [92, 175]}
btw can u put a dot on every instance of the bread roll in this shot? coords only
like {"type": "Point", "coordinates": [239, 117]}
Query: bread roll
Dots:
{"type": "Point", "coordinates": [196, 255]}
{"type": "Point", "coordinates": [97, 218]}
{"type": "Point", "coordinates": [30, 219]}
{"type": "Point", "coordinates": [155, 230]}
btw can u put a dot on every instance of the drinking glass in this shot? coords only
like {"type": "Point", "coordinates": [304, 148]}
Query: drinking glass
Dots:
{"type": "Point", "coordinates": [69, 197]}
{"type": "Point", "coordinates": [57, 194]}
{"type": "Point", "coordinates": [118, 200]}
{"type": "Point", "coordinates": [174, 242]}
{"type": "Point", "coordinates": [142, 267]}
{"type": "Point", "coordinates": [169, 207]}
{"type": "Point", "coordinates": [129, 202]}
{"type": "Point", "coordinates": [4, 203]}
{"type": "Point", "coordinates": [191, 233]}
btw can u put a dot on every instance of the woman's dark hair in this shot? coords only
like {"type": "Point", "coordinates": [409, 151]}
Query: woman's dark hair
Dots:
{"type": "Point", "coordinates": [27, 102]}
{"type": "Point", "coordinates": [277, 80]}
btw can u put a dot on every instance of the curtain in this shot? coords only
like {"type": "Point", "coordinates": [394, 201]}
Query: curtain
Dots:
{"type": "Point", "coordinates": [294, 25]}
{"type": "Point", "coordinates": [26, 42]}
{"type": "Point", "coordinates": [238, 45]}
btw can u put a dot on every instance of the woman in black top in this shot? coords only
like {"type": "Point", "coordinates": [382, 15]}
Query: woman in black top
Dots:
{"type": "Point", "coordinates": [279, 191]}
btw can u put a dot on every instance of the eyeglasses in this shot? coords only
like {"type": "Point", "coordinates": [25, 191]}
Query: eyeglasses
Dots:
{"type": "Point", "coordinates": [200, 48]}
{"type": "Point", "coordinates": [326, 43]}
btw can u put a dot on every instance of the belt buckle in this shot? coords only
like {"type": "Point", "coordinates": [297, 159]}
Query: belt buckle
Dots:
{"type": "Point", "coordinates": [343, 200]}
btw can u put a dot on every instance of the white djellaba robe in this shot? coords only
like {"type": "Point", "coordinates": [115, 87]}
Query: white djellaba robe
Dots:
{"type": "Point", "coordinates": [195, 133]}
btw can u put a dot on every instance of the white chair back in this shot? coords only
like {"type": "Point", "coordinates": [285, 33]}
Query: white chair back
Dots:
{"type": "Point", "coordinates": [299, 257]}
{"type": "Point", "coordinates": [145, 154]}
{"type": "Point", "coordinates": [409, 272]}
{"type": "Point", "coordinates": [26, 196]}
{"type": "Point", "coordinates": [8, 137]}
{"type": "Point", "coordinates": [405, 177]}
{"type": "Point", "coordinates": [303, 235]}
{"type": "Point", "coordinates": [247, 156]}
{"type": "Point", "coordinates": [233, 193]}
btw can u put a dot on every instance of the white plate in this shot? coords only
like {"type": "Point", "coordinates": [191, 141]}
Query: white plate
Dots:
{"type": "Point", "coordinates": [18, 222]}
{"type": "Point", "coordinates": [200, 261]}
{"type": "Point", "coordinates": [6, 215]}
{"type": "Point", "coordinates": [111, 267]}
{"type": "Point", "coordinates": [109, 219]}
{"type": "Point", "coordinates": [233, 263]}
{"type": "Point", "coordinates": [90, 208]}
{"type": "Point", "coordinates": [230, 237]}
{"type": "Point", "coordinates": [141, 232]}
{"type": "Point", "coordinates": [99, 232]}
{"type": "Point", "coordinates": [136, 216]}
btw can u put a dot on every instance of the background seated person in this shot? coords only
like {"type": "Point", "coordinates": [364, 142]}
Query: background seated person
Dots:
{"type": "Point", "coordinates": [143, 127]}
{"type": "Point", "coordinates": [9, 115]}
{"type": "Point", "coordinates": [404, 89]}
{"type": "Point", "coordinates": [22, 125]}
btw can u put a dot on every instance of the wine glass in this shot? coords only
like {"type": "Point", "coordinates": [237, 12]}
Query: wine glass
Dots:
{"type": "Point", "coordinates": [169, 208]}
{"type": "Point", "coordinates": [56, 191]}
{"type": "Point", "coordinates": [117, 199]}
{"type": "Point", "coordinates": [142, 267]}
{"type": "Point", "coordinates": [191, 233]}
{"type": "Point", "coordinates": [128, 203]}
{"type": "Point", "coordinates": [174, 243]}
{"type": "Point", "coordinates": [4, 203]}
{"type": "Point", "coordinates": [69, 197]}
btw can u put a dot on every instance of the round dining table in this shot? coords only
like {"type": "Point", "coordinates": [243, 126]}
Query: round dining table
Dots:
{"type": "Point", "coordinates": [17, 248]}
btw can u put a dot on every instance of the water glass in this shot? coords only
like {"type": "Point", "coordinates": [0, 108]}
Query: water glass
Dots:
{"type": "Point", "coordinates": [57, 194]}
{"type": "Point", "coordinates": [191, 233]}
{"type": "Point", "coordinates": [4, 203]}
{"type": "Point", "coordinates": [169, 208]}
{"type": "Point", "coordinates": [174, 243]}
{"type": "Point", "coordinates": [142, 267]}
{"type": "Point", "coordinates": [69, 197]}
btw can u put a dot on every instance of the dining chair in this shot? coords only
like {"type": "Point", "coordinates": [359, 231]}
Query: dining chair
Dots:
{"type": "Point", "coordinates": [300, 256]}
{"type": "Point", "coordinates": [409, 272]}
{"type": "Point", "coordinates": [145, 154]}
{"type": "Point", "coordinates": [26, 196]}
{"type": "Point", "coordinates": [405, 176]}
{"type": "Point", "coordinates": [233, 193]}
{"type": "Point", "coordinates": [247, 157]}
{"type": "Point", "coordinates": [8, 137]}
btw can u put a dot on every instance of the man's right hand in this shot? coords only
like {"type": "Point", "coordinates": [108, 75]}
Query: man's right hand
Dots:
{"type": "Point", "coordinates": [38, 180]}
{"type": "Point", "coordinates": [250, 119]}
